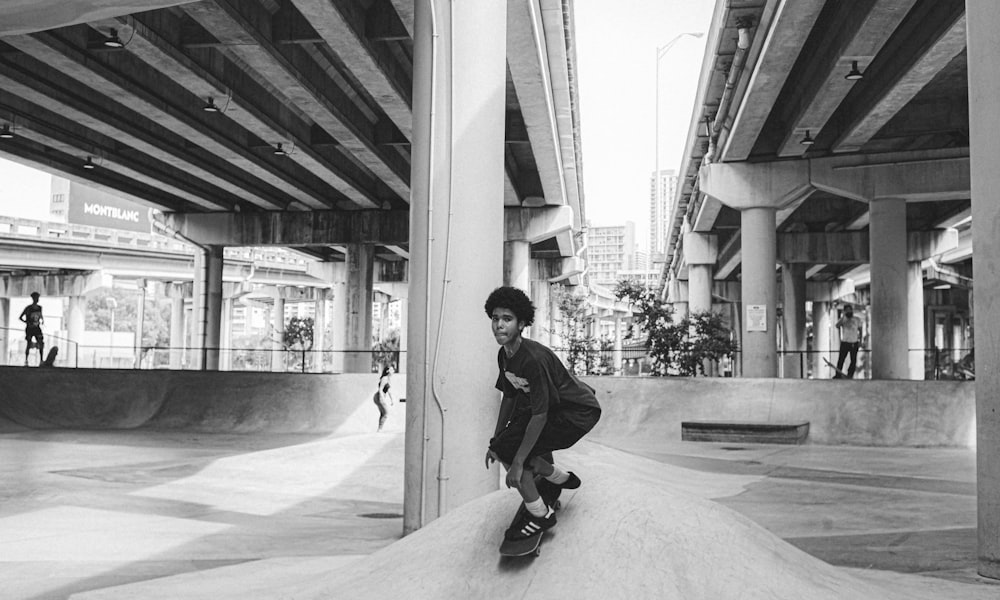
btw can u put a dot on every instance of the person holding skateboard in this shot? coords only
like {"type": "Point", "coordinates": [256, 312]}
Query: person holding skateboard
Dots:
{"type": "Point", "coordinates": [544, 408]}
{"type": "Point", "coordinates": [31, 316]}
{"type": "Point", "coordinates": [850, 340]}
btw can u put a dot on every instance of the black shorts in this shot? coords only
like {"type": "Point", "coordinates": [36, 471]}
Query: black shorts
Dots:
{"type": "Point", "coordinates": [33, 332]}
{"type": "Point", "coordinates": [558, 434]}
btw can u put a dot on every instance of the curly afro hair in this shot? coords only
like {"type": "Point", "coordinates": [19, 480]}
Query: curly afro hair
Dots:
{"type": "Point", "coordinates": [514, 300]}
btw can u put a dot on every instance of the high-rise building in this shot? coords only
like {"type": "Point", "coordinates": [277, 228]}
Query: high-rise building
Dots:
{"type": "Point", "coordinates": [659, 209]}
{"type": "Point", "coordinates": [610, 250]}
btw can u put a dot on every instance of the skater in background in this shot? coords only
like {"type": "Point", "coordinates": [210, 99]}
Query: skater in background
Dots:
{"type": "Point", "coordinates": [31, 316]}
{"type": "Point", "coordinates": [383, 396]}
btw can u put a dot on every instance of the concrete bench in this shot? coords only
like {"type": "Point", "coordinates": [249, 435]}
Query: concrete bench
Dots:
{"type": "Point", "coordinates": [745, 432]}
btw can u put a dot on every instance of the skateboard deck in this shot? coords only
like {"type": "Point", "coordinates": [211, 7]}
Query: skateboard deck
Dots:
{"type": "Point", "coordinates": [529, 545]}
{"type": "Point", "coordinates": [840, 374]}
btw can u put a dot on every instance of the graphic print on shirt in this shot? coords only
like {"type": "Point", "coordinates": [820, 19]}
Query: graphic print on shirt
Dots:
{"type": "Point", "coordinates": [519, 383]}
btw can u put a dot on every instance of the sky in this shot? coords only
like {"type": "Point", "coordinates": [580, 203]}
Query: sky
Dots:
{"type": "Point", "coordinates": [617, 43]}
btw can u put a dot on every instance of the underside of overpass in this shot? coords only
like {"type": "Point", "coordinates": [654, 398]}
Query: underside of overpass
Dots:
{"type": "Point", "coordinates": [775, 88]}
{"type": "Point", "coordinates": [268, 106]}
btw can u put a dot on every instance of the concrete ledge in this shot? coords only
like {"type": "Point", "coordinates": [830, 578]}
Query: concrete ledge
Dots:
{"type": "Point", "coordinates": [744, 432]}
{"type": "Point", "coordinates": [856, 412]}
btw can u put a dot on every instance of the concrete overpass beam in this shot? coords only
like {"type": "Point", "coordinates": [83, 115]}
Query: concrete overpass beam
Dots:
{"type": "Point", "coordinates": [984, 111]}
{"type": "Point", "coordinates": [914, 176]}
{"type": "Point", "coordinates": [293, 228]}
{"type": "Point", "coordinates": [443, 463]}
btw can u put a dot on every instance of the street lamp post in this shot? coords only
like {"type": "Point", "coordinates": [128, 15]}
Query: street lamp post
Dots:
{"type": "Point", "coordinates": [112, 304]}
{"type": "Point", "coordinates": [661, 51]}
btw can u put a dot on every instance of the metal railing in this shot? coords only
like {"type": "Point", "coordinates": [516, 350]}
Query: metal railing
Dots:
{"type": "Point", "coordinates": [14, 352]}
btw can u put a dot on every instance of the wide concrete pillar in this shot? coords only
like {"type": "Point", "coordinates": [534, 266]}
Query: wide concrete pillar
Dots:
{"type": "Point", "coordinates": [4, 331]}
{"type": "Point", "coordinates": [701, 253]}
{"type": "Point", "coordinates": [278, 328]}
{"type": "Point", "coordinates": [456, 246]}
{"type": "Point", "coordinates": [760, 291]}
{"type": "Point", "coordinates": [889, 327]}
{"type": "Point", "coordinates": [793, 318]}
{"type": "Point", "coordinates": [821, 339]}
{"type": "Point", "coordinates": [208, 307]}
{"type": "Point", "coordinates": [915, 320]}
{"type": "Point", "coordinates": [176, 331]}
{"type": "Point", "coordinates": [983, 18]}
{"type": "Point", "coordinates": [358, 324]}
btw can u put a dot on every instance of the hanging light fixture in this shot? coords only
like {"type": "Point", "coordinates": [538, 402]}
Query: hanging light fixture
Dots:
{"type": "Point", "coordinates": [279, 151]}
{"type": "Point", "coordinates": [89, 164]}
{"type": "Point", "coordinates": [113, 41]}
{"type": "Point", "coordinates": [854, 74]}
{"type": "Point", "coordinates": [807, 140]}
{"type": "Point", "coordinates": [6, 133]}
{"type": "Point", "coordinates": [210, 106]}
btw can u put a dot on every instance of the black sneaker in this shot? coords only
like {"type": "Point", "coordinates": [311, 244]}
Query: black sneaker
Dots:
{"type": "Point", "coordinates": [572, 483]}
{"type": "Point", "coordinates": [529, 525]}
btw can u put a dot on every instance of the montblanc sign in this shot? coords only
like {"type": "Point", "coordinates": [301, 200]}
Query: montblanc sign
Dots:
{"type": "Point", "coordinates": [104, 210]}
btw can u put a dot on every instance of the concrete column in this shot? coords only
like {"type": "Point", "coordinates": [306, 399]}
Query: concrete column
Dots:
{"type": "Point", "coordinates": [699, 288]}
{"type": "Point", "coordinates": [457, 180]}
{"type": "Point", "coordinates": [140, 318]}
{"type": "Point", "coordinates": [915, 319]}
{"type": "Point", "coordinates": [208, 307]}
{"type": "Point", "coordinates": [76, 318]}
{"type": "Point", "coordinates": [278, 327]}
{"type": "Point", "coordinates": [177, 331]}
{"type": "Point", "coordinates": [617, 362]}
{"type": "Point", "coordinates": [821, 339]}
{"type": "Point", "coordinates": [516, 259]}
{"type": "Point", "coordinates": [338, 318]}
{"type": "Point", "coordinates": [760, 291]}
{"type": "Point", "coordinates": [889, 328]}
{"type": "Point", "coordinates": [358, 326]}
{"type": "Point", "coordinates": [983, 21]}
{"type": "Point", "coordinates": [320, 359]}
{"type": "Point", "coordinates": [226, 337]}
{"type": "Point", "coordinates": [541, 331]}
{"type": "Point", "coordinates": [793, 289]}
{"type": "Point", "coordinates": [4, 332]}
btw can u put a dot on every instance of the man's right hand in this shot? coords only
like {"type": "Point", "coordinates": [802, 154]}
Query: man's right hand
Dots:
{"type": "Point", "coordinates": [491, 457]}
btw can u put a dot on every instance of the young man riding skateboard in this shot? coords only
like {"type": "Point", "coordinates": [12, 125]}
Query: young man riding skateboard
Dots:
{"type": "Point", "coordinates": [544, 408]}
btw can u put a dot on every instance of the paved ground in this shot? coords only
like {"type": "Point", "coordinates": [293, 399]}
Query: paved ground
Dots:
{"type": "Point", "coordinates": [140, 514]}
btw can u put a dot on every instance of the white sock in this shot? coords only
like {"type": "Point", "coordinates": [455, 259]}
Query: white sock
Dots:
{"type": "Point", "coordinates": [558, 476]}
{"type": "Point", "coordinates": [537, 507]}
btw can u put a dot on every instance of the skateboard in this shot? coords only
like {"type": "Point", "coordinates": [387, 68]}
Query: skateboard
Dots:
{"type": "Point", "coordinates": [530, 545]}
{"type": "Point", "coordinates": [840, 374]}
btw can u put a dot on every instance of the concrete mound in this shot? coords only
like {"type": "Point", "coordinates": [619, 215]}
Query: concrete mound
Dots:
{"type": "Point", "coordinates": [616, 538]}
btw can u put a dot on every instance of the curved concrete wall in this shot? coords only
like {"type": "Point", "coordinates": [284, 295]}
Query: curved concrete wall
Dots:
{"type": "Point", "coordinates": [190, 400]}
{"type": "Point", "coordinates": [858, 412]}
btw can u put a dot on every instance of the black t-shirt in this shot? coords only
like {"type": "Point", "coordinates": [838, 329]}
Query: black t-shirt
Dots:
{"type": "Point", "coordinates": [540, 383]}
{"type": "Point", "coordinates": [33, 315]}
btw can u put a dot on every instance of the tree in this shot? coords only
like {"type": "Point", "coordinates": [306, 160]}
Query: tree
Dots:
{"type": "Point", "coordinates": [298, 334]}
{"type": "Point", "coordinates": [708, 341]}
{"type": "Point", "coordinates": [579, 344]}
{"type": "Point", "coordinates": [664, 338]}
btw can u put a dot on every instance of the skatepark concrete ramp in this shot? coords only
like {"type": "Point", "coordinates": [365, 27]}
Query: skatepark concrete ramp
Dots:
{"type": "Point", "coordinates": [616, 538]}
